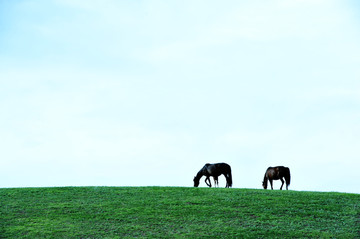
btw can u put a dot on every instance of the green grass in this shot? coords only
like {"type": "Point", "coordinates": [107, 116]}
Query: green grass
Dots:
{"type": "Point", "coordinates": [175, 212]}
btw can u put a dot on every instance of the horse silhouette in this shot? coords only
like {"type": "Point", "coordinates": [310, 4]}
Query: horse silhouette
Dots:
{"type": "Point", "coordinates": [276, 173]}
{"type": "Point", "coordinates": [214, 170]}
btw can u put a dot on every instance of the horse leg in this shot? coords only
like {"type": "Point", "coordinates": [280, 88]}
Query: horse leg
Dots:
{"type": "Point", "coordinates": [282, 183]}
{"type": "Point", "coordinates": [216, 181]}
{"type": "Point", "coordinates": [271, 183]}
{"type": "Point", "coordinates": [207, 181]}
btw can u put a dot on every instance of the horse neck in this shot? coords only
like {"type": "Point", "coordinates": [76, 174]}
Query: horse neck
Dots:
{"type": "Point", "coordinates": [199, 174]}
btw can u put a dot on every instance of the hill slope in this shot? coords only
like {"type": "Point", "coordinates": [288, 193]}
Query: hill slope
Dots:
{"type": "Point", "coordinates": [118, 212]}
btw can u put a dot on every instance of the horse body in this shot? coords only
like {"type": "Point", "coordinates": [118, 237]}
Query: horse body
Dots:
{"type": "Point", "coordinates": [276, 173]}
{"type": "Point", "coordinates": [214, 170]}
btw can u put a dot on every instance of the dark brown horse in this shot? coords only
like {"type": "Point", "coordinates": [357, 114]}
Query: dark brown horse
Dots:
{"type": "Point", "coordinates": [275, 173]}
{"type": "Point", "coordinates": [214, 170]}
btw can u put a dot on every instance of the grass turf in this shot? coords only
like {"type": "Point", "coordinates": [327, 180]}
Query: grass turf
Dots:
{"type": "Point", "coordinates": [176, 212]}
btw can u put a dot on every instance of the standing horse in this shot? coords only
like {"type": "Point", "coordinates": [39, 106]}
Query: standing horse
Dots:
{"type": "Point", "coordinates": [275, 173]}
{"type": "Point", "coordinates": [214, 170]}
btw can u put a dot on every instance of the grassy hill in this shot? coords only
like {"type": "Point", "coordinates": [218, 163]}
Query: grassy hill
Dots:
{"type": "Point", "coordinates": [118, 212]}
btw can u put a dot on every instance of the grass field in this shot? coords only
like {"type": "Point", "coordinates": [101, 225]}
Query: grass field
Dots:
{"type": "Point", "coordinates": [176, 212]}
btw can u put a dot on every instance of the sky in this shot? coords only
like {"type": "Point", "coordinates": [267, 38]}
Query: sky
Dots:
{"type": "Point", "coordinates": [145, 92]}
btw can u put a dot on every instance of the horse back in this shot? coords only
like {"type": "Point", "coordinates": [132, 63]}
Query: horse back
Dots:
{"type": "Point", "coordinates": [277, 172]}
{"type": "Point", "coordinates": [283, 170]}
{"type": "Point", "coordinates": [217, 169]}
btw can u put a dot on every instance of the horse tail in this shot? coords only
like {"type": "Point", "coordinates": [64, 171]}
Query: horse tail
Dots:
{"type": "Point", "coordinates": [228, 177]}
{"type": "Point", "coordinates": [287, 176]}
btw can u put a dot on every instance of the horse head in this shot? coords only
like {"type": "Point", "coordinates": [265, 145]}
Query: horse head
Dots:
{"type": "Point", "coordinates": [196, 182]}
{"type": "Point", "coordinates": [264, 183]}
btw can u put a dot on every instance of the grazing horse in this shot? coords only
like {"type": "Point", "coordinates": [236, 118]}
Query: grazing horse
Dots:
{"type": "Point", "coordinates": [275, 173]}
{"type": "Point", "coordinates": [214, 170]}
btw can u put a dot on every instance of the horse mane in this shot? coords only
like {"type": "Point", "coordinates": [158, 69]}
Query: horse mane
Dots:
{"type": "Point", "coordinates": [202, 171]}
{"type": "Point", "coordinates": [199, 175]}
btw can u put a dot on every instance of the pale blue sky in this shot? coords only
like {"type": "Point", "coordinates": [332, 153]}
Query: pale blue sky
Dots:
{"type": "Point", "coordinates": [124, 93]}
